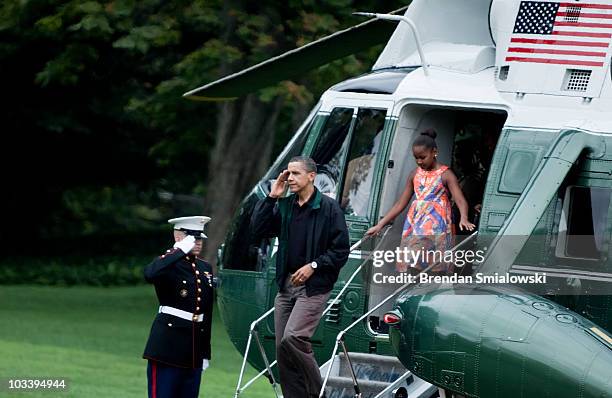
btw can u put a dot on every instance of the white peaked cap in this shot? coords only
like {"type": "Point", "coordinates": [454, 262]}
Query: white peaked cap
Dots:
{"type": "Point", "coordinates": [191, 225]}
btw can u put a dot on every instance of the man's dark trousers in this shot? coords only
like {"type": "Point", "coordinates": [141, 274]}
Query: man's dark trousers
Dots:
{"type": "Point", "coordinates": [172, 382]}
{"type": "Point", "coordinates": [296, 317]}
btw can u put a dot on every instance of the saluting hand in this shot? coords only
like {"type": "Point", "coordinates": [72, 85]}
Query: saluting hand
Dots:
{"type": "Point", "coordinates": [301, 275]}
{"type": "Point", "coordinates": [279, 186]}
{"type": "Point", "coordinates": [186, 244]}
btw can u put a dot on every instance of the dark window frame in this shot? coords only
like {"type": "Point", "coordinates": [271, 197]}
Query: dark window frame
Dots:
{"type": "Point", "coordinates": [570, 215]}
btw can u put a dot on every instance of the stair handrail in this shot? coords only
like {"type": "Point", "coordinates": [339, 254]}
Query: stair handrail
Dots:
{"type": "Point", "coordinates": [255, 323]}
{"type": "Point", "coordinates": [340, 336]}
{"type": "Point", "coordinates": [394, 384]}
{"type": "Point", "coordinates": [357, 270]}
{"type": "Point", "coordinates": [252, 327]}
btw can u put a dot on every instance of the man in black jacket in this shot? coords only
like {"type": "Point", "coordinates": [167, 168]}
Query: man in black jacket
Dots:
{"type": "Point", "coordinates": [313, 246]}
{"type": "Point", "coordinates": [178, 348]}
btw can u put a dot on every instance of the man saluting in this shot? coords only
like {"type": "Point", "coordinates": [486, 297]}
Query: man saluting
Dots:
{"type": "Point", "coordinates": [178, 348]}
{"type": "Point", "coordinates": [313, 246]}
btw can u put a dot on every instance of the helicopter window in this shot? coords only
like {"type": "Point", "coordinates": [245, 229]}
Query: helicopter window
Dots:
{"type": "Point", "coordinates": [330, 149]}
{"type": "Point", "coordinates": [241, 251]}
{"type": "Point", "coordinates": [584, 222]}
{"type": "Point", "coordinates": [362, 157]}
{"type": "Point", "coordinates": [518, 168]}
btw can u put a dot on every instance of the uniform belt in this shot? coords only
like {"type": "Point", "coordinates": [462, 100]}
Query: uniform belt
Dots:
{"type": "Point", "coordinates": [164, 309]}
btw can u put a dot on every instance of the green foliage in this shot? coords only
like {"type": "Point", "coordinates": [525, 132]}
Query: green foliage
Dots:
{"type": "Point", "coordinates": [94, 271]}
{"type": "Point", "coordinates": [96, 108]}
{"type": "Point", "coordinates": [49, 25]}
{"type": "Point", "coordinates": [92, 24]}
{"type": "Point", "coordinates": [107, 210]}
{"type": "Point", "coordinates": [67, 68]}
{"type": "Point", "coordinates": [143, 37]}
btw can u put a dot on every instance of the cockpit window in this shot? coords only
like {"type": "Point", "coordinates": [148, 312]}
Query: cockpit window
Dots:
{"type": "Point", "coordinates": [363, 152]}
{"type": "Point", "coordinates": [330, 149]}
{"type": "Point", "coordinates": [241, 250]}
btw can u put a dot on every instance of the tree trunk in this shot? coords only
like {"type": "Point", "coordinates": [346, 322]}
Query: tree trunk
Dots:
{"type": "Point", "coordinates": [245, 132]}
{"type": "Point", "coordinates": [244, 141]}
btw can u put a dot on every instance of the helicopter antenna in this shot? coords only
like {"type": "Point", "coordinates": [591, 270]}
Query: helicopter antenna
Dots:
{"type": "Point", "coordinates": [417, 37]}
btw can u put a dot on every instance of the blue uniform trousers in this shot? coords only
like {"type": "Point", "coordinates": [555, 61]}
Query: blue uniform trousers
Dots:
{"type": "Point", "coordinates": [172, 382]}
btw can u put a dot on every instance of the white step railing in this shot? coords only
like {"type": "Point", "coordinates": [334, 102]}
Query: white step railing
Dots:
{"type": "Point", "coordinates": [340, 336]}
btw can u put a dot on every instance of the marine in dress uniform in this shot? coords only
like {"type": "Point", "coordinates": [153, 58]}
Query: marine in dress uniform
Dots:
{"type": "Point", "coordinates": [178, 348]}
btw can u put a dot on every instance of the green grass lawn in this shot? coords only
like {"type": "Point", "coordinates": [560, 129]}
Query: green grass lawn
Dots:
{"type": "Point", "coordinates": [94, 338]}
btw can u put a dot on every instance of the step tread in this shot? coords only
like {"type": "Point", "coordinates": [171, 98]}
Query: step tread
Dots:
{"type": "Point", "coordinates": [335, 381]}
{"type": "Point", "coordinates": [365, 357]}
{"type": "Point", "coordinates": [374, 359]}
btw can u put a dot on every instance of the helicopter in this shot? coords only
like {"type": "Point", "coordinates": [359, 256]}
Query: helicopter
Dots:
{"type": "Point", "coordinates": [519, 93]}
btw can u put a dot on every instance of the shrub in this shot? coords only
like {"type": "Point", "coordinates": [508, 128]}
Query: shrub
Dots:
{"type": "Point", "coordinates": [94, 271]}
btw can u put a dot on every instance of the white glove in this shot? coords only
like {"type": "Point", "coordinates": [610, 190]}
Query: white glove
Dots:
{"type": "Point", "coordinates": [204, 364]}
{"type": "Point", "coordinates": [186, 244]}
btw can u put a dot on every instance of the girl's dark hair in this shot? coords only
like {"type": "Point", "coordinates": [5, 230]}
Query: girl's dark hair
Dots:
{"type": "Point", "coordinates": [427, 139]}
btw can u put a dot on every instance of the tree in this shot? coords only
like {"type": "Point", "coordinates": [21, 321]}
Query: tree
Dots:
{"type": "Point", "coordinates": [83, 79]}
{"type": "Point", "coordinates": [99, 130]}
{"type": "Point", "coordinates": [247, 127]}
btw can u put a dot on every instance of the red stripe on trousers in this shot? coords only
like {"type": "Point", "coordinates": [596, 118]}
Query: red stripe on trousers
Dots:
{"type": "Point", "coordinates": [154, 375]}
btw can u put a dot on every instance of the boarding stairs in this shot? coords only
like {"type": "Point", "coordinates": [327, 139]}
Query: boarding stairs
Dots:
{"type": "Point", "coordinates": [378, 376]}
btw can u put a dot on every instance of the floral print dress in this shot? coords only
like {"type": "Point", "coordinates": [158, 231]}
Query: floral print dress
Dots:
{"type": "Point", "coordinates": [428, 225]}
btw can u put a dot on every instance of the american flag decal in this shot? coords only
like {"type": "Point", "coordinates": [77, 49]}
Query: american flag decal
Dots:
{"type": "Point", "coordinates": [561, 33]}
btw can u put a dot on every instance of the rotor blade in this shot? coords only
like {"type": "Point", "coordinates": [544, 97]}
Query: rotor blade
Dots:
{"type": "Point", "coordinates": [298, 61]}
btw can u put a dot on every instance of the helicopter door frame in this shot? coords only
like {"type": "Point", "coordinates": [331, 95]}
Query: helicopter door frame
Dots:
{"type": "Point", "coordinates": [356, 224]}
{"type": "Point", "coordinates": [400, 107]}
{"type": "Point", "coordinates": [396, 115]}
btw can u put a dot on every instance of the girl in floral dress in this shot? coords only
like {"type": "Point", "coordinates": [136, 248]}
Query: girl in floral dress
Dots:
{"type": "Point", "coordinates": [428, 225]}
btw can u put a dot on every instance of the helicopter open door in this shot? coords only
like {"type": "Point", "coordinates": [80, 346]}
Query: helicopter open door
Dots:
{"type": "Point", "coordinates": [466, 139]}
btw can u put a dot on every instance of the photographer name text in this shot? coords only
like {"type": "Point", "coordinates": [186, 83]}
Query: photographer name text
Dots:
{"type": "Point", "coordinates": [478, 278]}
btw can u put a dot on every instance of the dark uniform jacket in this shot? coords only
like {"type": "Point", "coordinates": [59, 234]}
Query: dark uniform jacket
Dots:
{"type": "Point", "coordinates": [327, 240]}
{"type": "Point", "coordinates": [175, 341]}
